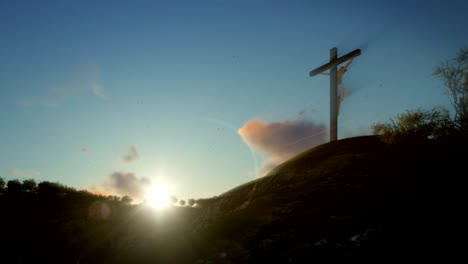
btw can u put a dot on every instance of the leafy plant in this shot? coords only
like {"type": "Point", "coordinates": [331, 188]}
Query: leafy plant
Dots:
{"type": "Point", "coordinates": [454, 75]}
{"type": "Point", "coordinates": [418, 124]}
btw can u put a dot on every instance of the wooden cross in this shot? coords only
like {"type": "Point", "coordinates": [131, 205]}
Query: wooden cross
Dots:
{"type": "Point", "coordinates": [332, 65]}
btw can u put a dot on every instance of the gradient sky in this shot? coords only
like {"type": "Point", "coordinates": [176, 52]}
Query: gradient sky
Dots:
{"type": "Point", "coordinates": [205, 95]}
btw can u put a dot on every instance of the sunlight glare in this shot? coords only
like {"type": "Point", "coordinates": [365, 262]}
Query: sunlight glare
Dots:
{"type": "Point", "coordinates": [158, 196]}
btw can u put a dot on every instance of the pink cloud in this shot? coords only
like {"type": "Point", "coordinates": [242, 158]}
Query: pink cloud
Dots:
{"type": "Point", "coordinates": [280, 141]}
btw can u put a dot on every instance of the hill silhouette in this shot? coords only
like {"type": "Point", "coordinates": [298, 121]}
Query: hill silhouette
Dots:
{"type": "Point", "coordinates": [356, 198]}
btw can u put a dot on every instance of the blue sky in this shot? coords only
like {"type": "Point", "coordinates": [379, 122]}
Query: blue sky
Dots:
{"type": "Point", "coordinates": [111, 95]}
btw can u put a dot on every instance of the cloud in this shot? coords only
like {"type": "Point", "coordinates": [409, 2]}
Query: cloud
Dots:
{"type": "Point", "coordinates": [98, 91]}
{"type": "Point", "coordinates": [280, 141]}
{"type": "Point", "coordinates": [85, 81]}
{"type": "Point", "coordinates": [22, 173]}
{"type": "Point", "coordinates": [126, 183]}
{"type": "Point", "coordinates": [131, 154]}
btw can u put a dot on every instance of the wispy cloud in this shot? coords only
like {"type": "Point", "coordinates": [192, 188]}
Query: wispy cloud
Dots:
{"type": "Point", "coordinates": [98, 91]}
{"type": "Point", "coordinates": [84, 82]}
{"type": "Point", "coordinates": [280, 141]}
{"type": "Point", "coordinates": [131, 154]}
{"type": "Point", "coordinates": [22, 173]}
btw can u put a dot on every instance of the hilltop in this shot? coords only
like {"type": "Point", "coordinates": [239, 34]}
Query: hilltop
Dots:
{"type": "Point", "coordinates": [355, 198]}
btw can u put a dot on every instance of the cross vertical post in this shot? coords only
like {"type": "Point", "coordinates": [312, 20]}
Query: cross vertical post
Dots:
{"type": "Point", "coordinates": [333, 96]}
{"type": "Point", "coordinates": [332, 66]}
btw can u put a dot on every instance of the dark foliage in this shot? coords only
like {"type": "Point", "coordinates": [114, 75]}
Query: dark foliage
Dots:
{"type": "Point", "coordinates": [419, 125]}
{"type": "Point", "coordinates": [352, 199]}
{"type": "Point", "coordinates": [2, 185]}
{"type": "Point", "coordinates": [53, 223]}
{"type": "Point", "coordinates": [454, 75]}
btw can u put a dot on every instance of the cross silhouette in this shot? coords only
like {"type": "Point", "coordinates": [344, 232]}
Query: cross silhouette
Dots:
{"type": "Point", "coordinates": [332, 65]}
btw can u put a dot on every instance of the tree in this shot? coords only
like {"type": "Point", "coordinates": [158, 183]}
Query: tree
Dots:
{"type": "Point", "coordinates": [191, 202]}
{"type": "Point", "coordinates": [126, 199]}
{"type": "Point", "coordinates": [416, 125]}
{"type": "Point", "coordinates": [29, 185]}
{"type": "Point", "coordinates": [454, 75]}
{"type": "Point", "coordinates": [14, 187]}
{"type": "Point", "coordinates": [53, 190]}
{"type": "Point", "coordinates": [2, 185]}
{"type": "Point", "coordinates": [113, 198]}
{"type": "Point", "coordinates": [173, 199]}
{"type": "Point", "coordinates": [182, 202]}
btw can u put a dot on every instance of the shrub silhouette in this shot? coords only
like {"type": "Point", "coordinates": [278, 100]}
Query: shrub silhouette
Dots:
{"type": "Point", "coordinates": [416, 125]}
{"type": "Point", "coordinates": [454, 75]}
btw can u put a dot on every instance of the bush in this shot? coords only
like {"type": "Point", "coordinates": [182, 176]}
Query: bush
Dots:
{"type": "Point", "coordinates": [417, 125]}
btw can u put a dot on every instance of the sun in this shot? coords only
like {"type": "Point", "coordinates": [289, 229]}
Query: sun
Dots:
{"type": "Point", "coordinates": [158, 196]}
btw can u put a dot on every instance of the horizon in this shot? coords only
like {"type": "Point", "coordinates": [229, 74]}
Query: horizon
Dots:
{"type": "Point", "coordinates": [114, 97]}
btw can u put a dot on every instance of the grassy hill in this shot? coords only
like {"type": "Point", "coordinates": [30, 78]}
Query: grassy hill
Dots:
{"type": "Point", "coordinates": [356, 198]}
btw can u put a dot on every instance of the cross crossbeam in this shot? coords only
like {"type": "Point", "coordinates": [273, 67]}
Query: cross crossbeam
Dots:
{"type": "Point", "coordinates": [332, 66]}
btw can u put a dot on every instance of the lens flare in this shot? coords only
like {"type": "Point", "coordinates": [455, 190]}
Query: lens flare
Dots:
{"type": "Point", "coordinates": [158, 196]}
